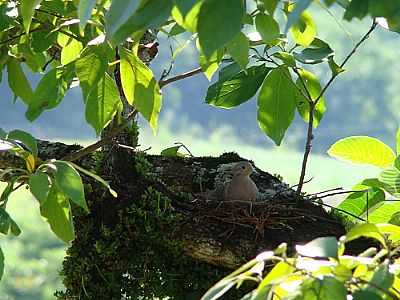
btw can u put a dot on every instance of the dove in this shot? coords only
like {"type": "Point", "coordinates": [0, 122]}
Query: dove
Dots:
{"type": "Point", "coordinates": [241, 187]}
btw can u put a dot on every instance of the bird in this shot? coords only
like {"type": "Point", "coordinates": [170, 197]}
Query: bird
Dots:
{"type": "Point", "coordinates": [241, 187]}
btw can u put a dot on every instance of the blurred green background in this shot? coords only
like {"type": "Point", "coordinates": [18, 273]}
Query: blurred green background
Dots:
{"type": "Point", "coordinates": [363, 101]}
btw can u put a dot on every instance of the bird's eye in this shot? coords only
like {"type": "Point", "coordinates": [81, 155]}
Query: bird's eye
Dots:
{"type": "Point", "coordinates": [243, 167]}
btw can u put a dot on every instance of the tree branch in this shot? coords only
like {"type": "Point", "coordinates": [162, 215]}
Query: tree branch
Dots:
{"type": "Point", "coordinates": [310, 135]}
{"type": "Point", "coordinates": [191, 73]}
{"type": "Point", "coordinates": [104, 141]}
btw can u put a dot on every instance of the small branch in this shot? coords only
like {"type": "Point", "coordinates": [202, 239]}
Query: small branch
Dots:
{"type": "Point", "coordinates": [191, 73]}
{"type": "Point", "coordinates": [313, 104]}
{"type": "Point", "coordinates": [337, 193]}
{"type": "Point", "coordinates": [104, 141]}
{"type": "Point", "coordinates": [19, 35]}
{"type": "Point", "coordinates": [326, 191]}
{"type": "Point", "coordinates": [339, 209]}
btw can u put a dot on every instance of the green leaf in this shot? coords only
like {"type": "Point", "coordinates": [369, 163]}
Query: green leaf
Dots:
{"type": "Point", "coordinates": [172, 152]}
{"type": "Point", "coordinates": [214, 34]}
{"type": "Point", "coordinates": [357, 203]}
{"type": "Point", "coordinates": [124, 20]}
{"type": "Point", "coordinates": [186, 12]}
{"type": "Point", "coordinates": [70, 183]}
{"type": "Point", "coordinates": [231, 92]}
{"type": "Point", "coordinates": [320, 247]}
{"type": "Point", "coordinates": [390, 177]}
{"type": "Point", "coordinates": [229, 71]}
{"type": "Point", "coordinates": [57, 212]}
{"type": "Point", "coordinates": [219, 289]}
{"type": "Point", "coordinates": [140, 87]}
{"type": "Point", "coordinates": [18, 82]}
{"type": "Point", "coordinates": [305, 30]}
{"type": "Point", "coordinates": [238, 48]}
{"type": "Point", "coordinates": [27, 12]}
{"type": "Point", "coordinates": [85, 11]}
{"type": "Point", "coordinates": [42, 40]}
{"type": "Point", "coordinates": [365, 295]}
{"type": "Point", "coordinates": [276, 104]}
{"type": "Point", "coordinates": [317, 52]}
{"type": "Point", "coordinates": [327, 288]}
{"type": "Point", "coordinates": [35, 61]}
{"type": "Point", "coordinates": [365, 230]}
{"type": "Point", "coordinates": [356, 9]}
{"type": "Point", "coordinates": [270, 6]}
{"type": "Point", "coordinates": [50, 91]}
{"type": "Point", "coordinates": [102, 103]}
{"type": "Point", "coordinates": [90, 68]}
{"type": "Point", "coordinates": [25, 138]}
{"type": "Point", "coordinates": [398, 141]}
{"type": "Point", "coordinates": [335, 68]}
{"type": "Point", "coordinates": [210, 65]}
{"type": "Point", "coordinates": [267, 27]}
{"type": "Point", "coordinates": [296, 13]}
{"type": "Point", "coordinates": [96, 177]}
{"type": "Point", "coordinates": [40, 184]}
{"type": "Point", "coordinates": [286, 58]}
{"type": "Point", "coordinates": [314, 89]}
{"type": "Point", "coordinates": [71, 51]}
{"type": "Point", "coordinates": [7, 224]}
{"type": "Point", "coordinates": [363, 150]}
{"type": "Point", "coordinates": [382, 278]}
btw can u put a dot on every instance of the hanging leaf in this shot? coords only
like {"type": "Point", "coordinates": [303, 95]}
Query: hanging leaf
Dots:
{"type": "Point", "coordinates": [363, 150]}
{"type": "Point", "coordinates": [26, 139]}
{"type": "Point", "coordinates": [40, 184]}
{"type": "Point", "coordinates": [268, 28]}
{"type": "Point", "coordinates": [186, 12]}
{"type": "Point", "coordinates": [276, 104]}
{"type": "Point", "coordinates": [70, 183]}
{"type": "Point", "coordinates": [7, 224]}
{"type": "Point", "coordinates": [296, 13]}
{"type": "Point", "coordinates": [305, 30]}
{"type": "Point", "coordinates": [214, 34]}
{"type": "Point", "coordinates": [18, 82]}
{"type": "Point", "coordinates": [140, 87]}
{"type": "Point", "coordinates": [57, 212]}
{"type": "Point", "coordinates": [102, 103]}
{"type": "Point", "coordinates": [317, 52]}
{"type": "Point", "coordinates": [231, 92]}
{"type": "Point", "coordinates": [27, 12]}
{"type": "Point", "coordinates": [210, 65]}
{"type": "Point", "coordinates": [71, 51]}
{"type": "Point", "coordinates": [238, 48]}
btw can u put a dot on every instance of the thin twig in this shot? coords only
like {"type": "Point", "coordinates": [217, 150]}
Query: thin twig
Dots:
{"type": "Point", "coordinates": [339, 209]}
{"type": "Point", "coordinates": [313, 104]}
{"type": "Point", "coordinates": [19, 35]}
{"type": "Point", "coordinates": [163, 83]}
{"type": "Point", "coordinates": [338, 193]}
{"type": "Point", "coordinates": [326, 191]}
{"type": "Point", "coordinates": [105, 140]}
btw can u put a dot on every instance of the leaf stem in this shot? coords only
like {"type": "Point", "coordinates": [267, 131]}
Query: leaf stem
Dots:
{"type": "Point", "coordinates": [193, 72]}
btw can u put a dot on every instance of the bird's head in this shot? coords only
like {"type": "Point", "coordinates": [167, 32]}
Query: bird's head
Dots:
{"type": "Point", "coordinates": [243, 168]}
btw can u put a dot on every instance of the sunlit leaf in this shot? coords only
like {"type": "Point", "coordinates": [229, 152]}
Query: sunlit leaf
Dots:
{"type": "Point", "coordinates": [186, 12]}
{"type": "Point", "coordinates": [210, 65]}
{"type": "Point", "coordinates": [363, 150]}
{"type": "Point", "coordinates": [231, 92]}
{"type": "Point", "coordinates": [267, 27]}
{"type": "Point", "coordinates": [70, 51]}
{"type": "Point", "coordinates": [398, 141]}
{"type": "Point", "coordinates": [276, 104]}
{"type": "Point", "coordinates": [214, 34]}
{"type": "Point", "coordinates": [390, 177]}
{"type": "Point", "coordinates": [25, 138]}
{"type": "Point", "coordinates": [304, 30]}
{"type": "Point", "coordinates": [140, 87]}
{"type": "Point", "coordinates": [18, 82]}
{"type": "Point", "coordinates": [365, 230]}
{"type": "Point", "coordinates": [172, 152]}
{"type": "Point", "coordinates": [27, 11]}
{"type": "Point", "coordinates": [57, 212]}
{"type": "Point", "coordinates": [295, 14]}
{"type": "Point", "coordinates": [70, 183]}
{"type": "Point", "coordinates": [320, 247]}
{"type": "Point", "coordinates": [39, 184]}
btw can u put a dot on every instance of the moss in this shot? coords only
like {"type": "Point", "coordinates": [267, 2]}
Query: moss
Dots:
{"type": "Point", "coordinates": [122, 251]}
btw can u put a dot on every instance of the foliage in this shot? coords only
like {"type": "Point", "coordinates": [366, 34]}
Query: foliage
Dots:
{"type": "Point", "coordinates": [106, 46]}
{"type": "Point", "coordinates": [322, 270]}
{"type": "Point", "coordinates": [368, 200]}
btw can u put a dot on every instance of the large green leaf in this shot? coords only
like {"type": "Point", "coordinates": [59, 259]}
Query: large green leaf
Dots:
{"type": "Point", "coordinates": [7, 224]}
{"type": "Point", "coordinates": [304, 30]}
{"type": "Point", "coordinates": [356, 9]}
{"type": "Point", "coordinates": [231, 92]}
{"type": "Point", "coordinates": [363, 150]}
{"type": "Point", "coordinates": [90, 68]}
{"type": "Point", "coordinates": [267, 27]}
{"type": "Point", "coordinates": [27, 10]}
{"type": "Point", "coordinates": [70, 183]}
{"type": "Point", "coordinates": [357, 203]}
{"type": "Point", "coordinates": [238, 48]}
{"type": "Point", "coordinates": [102, 103]}
{"type": "Point", "coordinates": [25, 138]}
{"type": "Point", "coordinates": [186, 12]}
{"type": "Point", "coordinates": [382, 280]}
{"type": "Point", "coordinates": [123, 21]}
{"type": "Point", "coordinates": [327, 288]}
{"type": "Point", "coordinates": [390, 177]}
{"type": "Point", "coordinates": [50, 91]}
{"type": "Point", "coordinates": [85, 10]}
{"type": "Point", "coordinates": [314, 89]}
{"type": "Point", "coordinates": [39, 184]}
{"type": "Point", "coordinates": [320, 247]}
{"type": "Point", "coordinates": [18, 82]}
{"type": "Point", "coordinates": [70, 51]}
{"type": "Point", "coordinates": [276, 104]}
{"type": "Point", "coordinates": [214, 34]}
{"type": "Point", "coordinates": [319, 51]}
{"type": "Point", "coordinates": [365, 230]}
{"type": "Point", "coordinates": [57, 212]}
{"type": "Point", "coordinates": [140, 87]}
